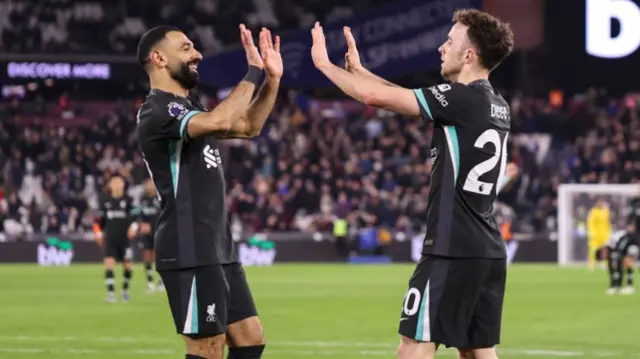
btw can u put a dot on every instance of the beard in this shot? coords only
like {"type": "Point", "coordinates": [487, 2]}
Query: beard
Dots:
{"type": "Point", "coordinates": [186, 77]}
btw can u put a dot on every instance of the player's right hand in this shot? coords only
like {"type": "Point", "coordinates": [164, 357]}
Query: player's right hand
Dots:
{"type": "Point", "coordinates": [352, 57]}
{"type": "Point", "coordinates": [253, 55]}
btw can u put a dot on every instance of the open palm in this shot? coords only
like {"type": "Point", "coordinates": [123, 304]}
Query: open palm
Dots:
{"type": "Point", "coordinates": [253, 56]}
{"type": "Point", "coordinates": [270, 52]}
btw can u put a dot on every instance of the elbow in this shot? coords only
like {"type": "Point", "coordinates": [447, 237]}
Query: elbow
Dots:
{"type": "Point", "coordinates": [370, 98]}
{"type": "Point", "coordinates": [250, 130]}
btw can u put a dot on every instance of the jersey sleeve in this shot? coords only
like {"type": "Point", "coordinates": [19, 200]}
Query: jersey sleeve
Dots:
{"type": "Point", "coordinates": [135, 212]}
{"type": "Point", "coordinates": [102, 216]}
{"type": "Point", "coordinates": [164, 119]}
{"type": "Point", "coordinates": [442, 104]}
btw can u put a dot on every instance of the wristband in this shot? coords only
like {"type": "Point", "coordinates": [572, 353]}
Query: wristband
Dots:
{"type": "Point", "coordinates": [253, 75]}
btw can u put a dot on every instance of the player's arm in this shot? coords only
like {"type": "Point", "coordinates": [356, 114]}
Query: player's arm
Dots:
{"type": "Point", "coordinates": [235, 117]}
{"type": "Point", "coordinates": [591, 222]}
{"type": "Point", "coordinates": [135, 219]}
{"type": "Point", "coordinates": [250, 123]}
{"type": "Point", "coordinates": [372, 92]}
{"type": "Point", "coordinates": [99, 223]}
{"type": "Point", "coordinates": [430, 104]}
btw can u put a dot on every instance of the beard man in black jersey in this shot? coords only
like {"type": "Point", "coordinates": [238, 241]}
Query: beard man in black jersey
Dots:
{"type": "Point", "coordinates": [208, 293]}
{"type": "Point", "coordinates": [456, 293]}
{"type": "Point", "coordinates": [115, 218]}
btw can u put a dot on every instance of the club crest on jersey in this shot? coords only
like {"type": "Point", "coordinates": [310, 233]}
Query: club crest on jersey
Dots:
{"type": "Point", "coordinates": [444, 87]}
{"type": "Point", "coordinates": [177, 110]}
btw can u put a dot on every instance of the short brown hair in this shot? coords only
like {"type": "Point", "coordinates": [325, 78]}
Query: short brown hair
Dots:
{"type": "Point", "coordinates": [492, 37]}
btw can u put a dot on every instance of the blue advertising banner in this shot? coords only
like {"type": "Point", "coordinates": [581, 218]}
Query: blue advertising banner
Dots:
{"type": "Point", "coordinates": [393, 39]}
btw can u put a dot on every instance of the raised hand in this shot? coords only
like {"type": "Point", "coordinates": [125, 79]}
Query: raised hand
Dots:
{"type": "Point", "coordinates": [253, 56]}
{"type": "Point", "coordinates": [352, 57]}
{"type": "Point", "coordinates": [319, 52]}
{"type": "Point", "coordinates": [271, 54]}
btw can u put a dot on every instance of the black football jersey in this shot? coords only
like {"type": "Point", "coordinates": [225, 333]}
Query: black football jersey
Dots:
{"type": "Point", "coordinates": [116, 215]}
{"type": "Point", "coordinates": [193, 225]}
{"type": "Point", "coordinates": [623, 243]}
{"type": "Point", "coordinates": [149, 209]}
{"type": "Point", "coordinates": [469, 156]}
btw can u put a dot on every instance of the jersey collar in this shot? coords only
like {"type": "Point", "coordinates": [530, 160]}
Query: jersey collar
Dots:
{"type": "Point", "coordinates": [481, 83]}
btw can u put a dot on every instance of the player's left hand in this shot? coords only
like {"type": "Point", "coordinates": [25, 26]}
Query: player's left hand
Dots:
{"type": "Point", "coordinates": [270, 52]}
{"type": "Point", "coordinates": [250, 49]}
{"type": "Point", "coordinates": [319, 52]}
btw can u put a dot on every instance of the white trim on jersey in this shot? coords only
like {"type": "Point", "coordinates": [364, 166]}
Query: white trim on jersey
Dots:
{"type": "Point", "coordinates": [452, 152]}
{"type": "Point", "coordinates": [423, 332]}
{"type": "Point", "coordinates": [191, 325]}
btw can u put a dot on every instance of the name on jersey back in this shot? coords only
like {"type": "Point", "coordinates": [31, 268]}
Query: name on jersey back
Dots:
{"type": "Point", "coordinates": [499, 112]}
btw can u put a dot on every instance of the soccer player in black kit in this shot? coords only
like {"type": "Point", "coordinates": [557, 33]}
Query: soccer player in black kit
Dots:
{"type": "Point", "coordinates": [180, 141]}
{"type": "Point", "coordinates": [144, 228]}
{"type": "Point", "coordinates": [116, 215]}
{"type": "Point", "coordinates": [456, 293]}
{"type": "Point", "coordinates": [621, 252]}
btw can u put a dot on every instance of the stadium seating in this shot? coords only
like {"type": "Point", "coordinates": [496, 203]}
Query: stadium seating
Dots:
{"type": "Point", "coordinates": [293, 175]}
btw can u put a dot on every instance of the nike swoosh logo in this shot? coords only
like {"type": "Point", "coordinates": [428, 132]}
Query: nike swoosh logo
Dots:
{"type": "Point", "coordinates": [401, 319]}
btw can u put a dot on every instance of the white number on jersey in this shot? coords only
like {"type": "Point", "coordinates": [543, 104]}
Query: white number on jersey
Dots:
{"type": "Point", "coordinates": [412, 298]}
{"type": "Point", "coordinates": [472, 183]}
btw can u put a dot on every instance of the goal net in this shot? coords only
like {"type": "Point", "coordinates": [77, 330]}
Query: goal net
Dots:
{"type": "Point", "coordinates": [574, 203]}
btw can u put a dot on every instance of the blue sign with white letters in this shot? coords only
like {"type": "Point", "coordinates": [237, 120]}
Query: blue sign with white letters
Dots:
{"type": "Point", "coordinates": [393, 40]}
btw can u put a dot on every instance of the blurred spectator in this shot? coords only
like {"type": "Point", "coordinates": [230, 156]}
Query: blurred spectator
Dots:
{"type": "Point", "coordinates": [310, 167]}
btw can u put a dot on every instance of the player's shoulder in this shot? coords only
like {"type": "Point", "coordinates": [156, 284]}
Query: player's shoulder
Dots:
{"type": "Point", "coordinates": [162, 104]}
{"type": "Point", "coordinates": [105, 198]}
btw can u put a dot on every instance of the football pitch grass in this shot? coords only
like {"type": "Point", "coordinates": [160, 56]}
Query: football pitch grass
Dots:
{"type": "Point", "coordinates": [308, 311]}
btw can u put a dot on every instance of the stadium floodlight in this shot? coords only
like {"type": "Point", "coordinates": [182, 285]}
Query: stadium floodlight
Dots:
{"type": "Point", "coordinates": [574, 202]}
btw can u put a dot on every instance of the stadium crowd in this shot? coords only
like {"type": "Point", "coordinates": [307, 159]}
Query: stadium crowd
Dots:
{"type": "Point", "coordinates": [315, 161]}
{"type": "Point", "coordinates": [108, 27]}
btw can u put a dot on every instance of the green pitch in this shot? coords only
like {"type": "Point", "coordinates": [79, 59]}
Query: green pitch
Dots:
{"type": "Point", "coordinates": [309, 311]}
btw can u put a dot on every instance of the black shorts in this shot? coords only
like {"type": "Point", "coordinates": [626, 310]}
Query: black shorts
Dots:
{"type": "Point", "coordinates": [456, 302]}
{"type": "Point", "coordinates": [204, 300]}
{"type": "Point", "coordinates": [146, 242]}
{"type": "Point", "coordinates": [119, 249]}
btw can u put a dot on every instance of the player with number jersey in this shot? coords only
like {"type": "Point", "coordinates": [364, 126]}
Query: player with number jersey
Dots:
{"type": "Point", "coordinates": [206, 286]}
{"type": "Point", "coordinates": [621, 252]}
{"type": "Point", "coordinates": [144, 228]}
{"type": "Point", "coordinates": [116, 215]}
{"type": "Point", "coordinates": [456, 293]}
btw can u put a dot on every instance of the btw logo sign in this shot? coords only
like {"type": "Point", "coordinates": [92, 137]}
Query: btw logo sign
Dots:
{"type": "Point", "coordinates": [599, 37]}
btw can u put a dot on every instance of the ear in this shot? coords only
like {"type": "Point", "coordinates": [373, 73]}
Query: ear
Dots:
{"type": "Point", "coordinates": [157, 58]}
{"type": "Point", "coordinates": [470, 55]}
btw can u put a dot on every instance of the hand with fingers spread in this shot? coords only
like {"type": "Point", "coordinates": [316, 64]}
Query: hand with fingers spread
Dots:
{"type": "Point", "coordinates": [352, 57]}
{"type": "Point", "coordinates": [253, 56]}
{"type": "Point", "coordinates": [319, 52]}
{"type": "Point", "coordinates": [271, 54]}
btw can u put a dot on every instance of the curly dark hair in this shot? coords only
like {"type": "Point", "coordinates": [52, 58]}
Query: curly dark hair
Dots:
{"type": "Point", "coordinates": [492, 37]}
